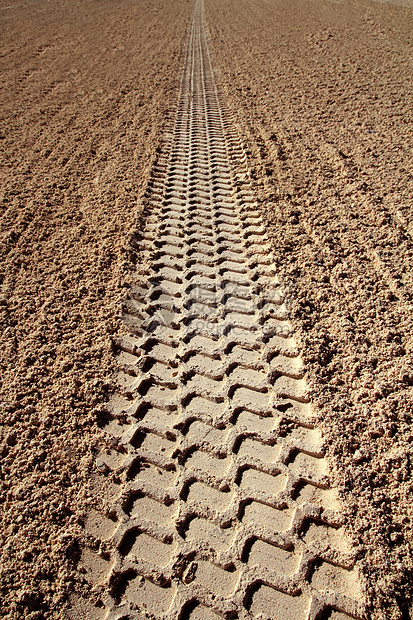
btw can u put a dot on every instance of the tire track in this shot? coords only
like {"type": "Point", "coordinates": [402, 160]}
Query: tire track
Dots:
{"type": "Point", "coordinates": [225, 508]}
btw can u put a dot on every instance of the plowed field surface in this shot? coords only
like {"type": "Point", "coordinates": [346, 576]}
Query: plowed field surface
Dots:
{"type": "Point", "coordinates": [206, 307]}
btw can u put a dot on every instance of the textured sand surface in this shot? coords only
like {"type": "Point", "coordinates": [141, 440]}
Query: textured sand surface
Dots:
{"type": "Point", "coordinates": [85, 87]}
{"type": "Point", "coordinates": [223, 505]}
{"type": "Point", "coordinates": [321, 92]}
{"type": "Point", "coordinates": [323, 97]}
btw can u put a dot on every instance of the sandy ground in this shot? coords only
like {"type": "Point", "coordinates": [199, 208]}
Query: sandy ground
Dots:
{"type": "Point", "coordinates": [84, 95]}
{"type": "Point", "coordinates": [321, 91]}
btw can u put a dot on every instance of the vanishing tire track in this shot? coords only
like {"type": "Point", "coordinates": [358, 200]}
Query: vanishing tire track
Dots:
{"type": "Point", "coordinates": [225, 508]}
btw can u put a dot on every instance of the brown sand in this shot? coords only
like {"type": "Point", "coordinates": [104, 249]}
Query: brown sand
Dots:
{"type": "Point", "coordinates": [86, 87]}
{"type": "Point", "coordinates": [323, 96]}
{"type": "Point", "coordinates": [321, 91]}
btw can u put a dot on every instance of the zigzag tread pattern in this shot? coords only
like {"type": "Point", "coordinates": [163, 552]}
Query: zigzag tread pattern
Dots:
{"type": "Point", "coordinates": [225, 508]}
